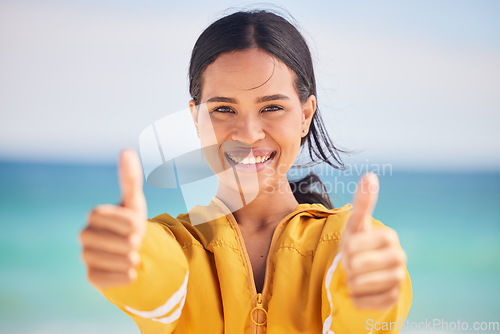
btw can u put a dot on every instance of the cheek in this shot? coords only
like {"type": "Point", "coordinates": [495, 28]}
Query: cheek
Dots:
{"type": "Point", "coordinates": [290, 145]}
{"type": "Point", "coordinates": [207, 135]}
{"type": "Point", "coordinates": [294, 149]}
{"type": "Point", "coordinates": [211, 132]}
{"type": "Point", "coordinates": [211, 146]}
{"type": "Point", "coordinates": [291, 134]}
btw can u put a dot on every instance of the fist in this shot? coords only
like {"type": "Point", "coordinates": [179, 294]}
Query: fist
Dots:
{"type": "Point", "coordinates": [372, 258]}
{"type": "Point", "coordinates": [114, 233]}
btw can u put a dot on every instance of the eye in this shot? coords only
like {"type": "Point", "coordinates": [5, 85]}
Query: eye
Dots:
{"type": "Point", "coordinates": [223, 110]}
{"type": "Point", "coordinates": [272, 108]}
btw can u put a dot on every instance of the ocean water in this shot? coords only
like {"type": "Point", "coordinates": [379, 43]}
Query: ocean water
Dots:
{"type": "Point", "coordinates": [448, 223]}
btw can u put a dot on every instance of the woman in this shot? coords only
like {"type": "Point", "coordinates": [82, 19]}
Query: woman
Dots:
{"type": "Point", "coordinates": [285, 261]}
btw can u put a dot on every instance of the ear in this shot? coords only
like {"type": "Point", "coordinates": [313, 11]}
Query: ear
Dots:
{"type": "Point", "coordinates": [194, 114]}
{"type": "Point", "coordinates": [308, 110]}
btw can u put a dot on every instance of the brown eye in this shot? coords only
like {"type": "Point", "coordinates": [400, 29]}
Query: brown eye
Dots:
{"type": "Point", "coordinates": [223, 110]}
{"type": "Point", "coordinates": [272, 108]}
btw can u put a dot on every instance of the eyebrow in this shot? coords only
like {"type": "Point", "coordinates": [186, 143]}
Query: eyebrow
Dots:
{"type": "Point", "coordinates": [261, 99]}
{"type": "Point", "coordinates": [222, 99]}
{"type": "Point", "coordinates": [274, 97]}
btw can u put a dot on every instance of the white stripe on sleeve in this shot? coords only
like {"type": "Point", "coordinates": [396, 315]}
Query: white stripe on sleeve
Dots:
{"type": "Point", "coordinates": [177, 297]}
{"type": "Point", "coordinates": [327, 325]}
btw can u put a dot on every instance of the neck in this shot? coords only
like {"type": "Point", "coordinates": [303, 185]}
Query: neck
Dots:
{"type": "Point", "coordinates": [262, 213]}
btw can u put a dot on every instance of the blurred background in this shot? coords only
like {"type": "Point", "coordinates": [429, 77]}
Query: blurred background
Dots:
{"type": "Point", "coordinates": [412, 87]}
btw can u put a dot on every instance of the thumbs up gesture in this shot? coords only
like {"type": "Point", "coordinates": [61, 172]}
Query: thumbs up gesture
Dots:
{"type": "Point", "coordinates": [114, 233]}
{"type": "Point", "coordinates": [373, 261]}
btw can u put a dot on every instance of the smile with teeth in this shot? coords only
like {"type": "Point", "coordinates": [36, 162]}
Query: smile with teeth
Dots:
{"type": "Point", "coordinates": [250, 160]}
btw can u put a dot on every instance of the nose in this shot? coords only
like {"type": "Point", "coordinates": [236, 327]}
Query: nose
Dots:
{"type": "Point", "coordinates": [248, 129]}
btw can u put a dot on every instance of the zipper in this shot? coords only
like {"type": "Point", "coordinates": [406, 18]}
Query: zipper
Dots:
{"type": "Point", "coordinates": [259, 298]}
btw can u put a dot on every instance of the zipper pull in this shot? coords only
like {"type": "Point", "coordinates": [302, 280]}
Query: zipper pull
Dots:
{"type": "Point", "coordinates": [259, 300]}
{"type": "Point", "coordinates": [259, 307]}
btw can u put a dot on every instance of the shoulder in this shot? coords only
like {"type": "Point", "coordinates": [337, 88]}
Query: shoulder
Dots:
{"type": "Point", "coordinates": [324, 215]}
{"type": "Point", "coordinates": [336, 220]}
{"type": "Point", "coordinates": [312, 224]}
{"type": "Point", "coordinates": [179, 228]}
{"type": "Point", "coordinates": [197, 227]}
{"type": "Point", "coordinates": [320, 211]}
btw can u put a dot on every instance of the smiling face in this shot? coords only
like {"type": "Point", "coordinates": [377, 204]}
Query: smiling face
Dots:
{"type": "Point", "coordinates": [249, 100]}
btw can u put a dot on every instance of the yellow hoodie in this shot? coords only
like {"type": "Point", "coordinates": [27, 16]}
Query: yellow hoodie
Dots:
{"type": "Point", "coordinates": [198, 279]}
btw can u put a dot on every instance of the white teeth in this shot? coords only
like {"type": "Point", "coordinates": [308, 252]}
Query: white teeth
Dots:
{"type": "Point", "coordinates": [250, 160]}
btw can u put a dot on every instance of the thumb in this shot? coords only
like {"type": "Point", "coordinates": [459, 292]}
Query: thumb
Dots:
{"type": "Point", "coordinates": [131, 179]}
{"type": "Point", "coordinates": [364, 202]}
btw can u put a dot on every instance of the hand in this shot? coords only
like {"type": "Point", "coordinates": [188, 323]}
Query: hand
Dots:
{"type": "Point", "coordinates": [372, 258]}
{"type": "Point", "coordinates": [112, 238]}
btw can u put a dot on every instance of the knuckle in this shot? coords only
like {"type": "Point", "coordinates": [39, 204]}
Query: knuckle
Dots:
{"type": "Point", "coordinates": [130, 275]}
{"type": "Point", "coordinates": [136, 240]}
{"type": "Point", "coordinates": [388, 236]}
{"type": "Point", "coordinates": [400, 257]}
{"type": "Point", "coordinates": [84, 235]}
{"type": "Point", "coordinates": [136, 259]}
{"type": "Point", "coordinates": [80, 236]}
{"type": "Point", "coordinates": [130, 242]}
{"type": "Point", "coordinates": [92, 277]}
{"type": "Point", "coordinates": [131, 259]}
{"type": "Point", "coordinates": [91, 215]}
{"type": "Point", "coordinates": [393, 237]}
{"type": "Point", "coordinates": [400, 275]}
{"type": "Point", "coordinates": [85, 256]}
{"type": "Point", "coordinates": [95, 213]}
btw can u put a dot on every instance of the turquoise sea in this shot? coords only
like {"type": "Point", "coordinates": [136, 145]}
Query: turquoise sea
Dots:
{"type": "Point", "coordinates": [448, 223]}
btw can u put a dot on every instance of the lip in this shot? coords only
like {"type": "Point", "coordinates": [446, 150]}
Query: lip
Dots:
{"type": "Point", "coordinates": [245, 153]}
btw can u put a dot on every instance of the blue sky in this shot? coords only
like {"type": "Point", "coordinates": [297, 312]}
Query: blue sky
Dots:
{"type": "Point", "coordinates": [411, 83]}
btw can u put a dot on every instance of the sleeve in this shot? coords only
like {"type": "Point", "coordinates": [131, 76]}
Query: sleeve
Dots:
{"type": "Point", "coordinates": [340, 315]}
{"type": "Point", "coordinates": [156, 298]}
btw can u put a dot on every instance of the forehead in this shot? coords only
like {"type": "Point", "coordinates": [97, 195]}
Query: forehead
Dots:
{"type": "Point", "coordinates": [250, 71]}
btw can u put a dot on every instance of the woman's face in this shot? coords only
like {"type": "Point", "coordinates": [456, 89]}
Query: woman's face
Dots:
{"type": "Point", "coordinates": [252, 117]}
